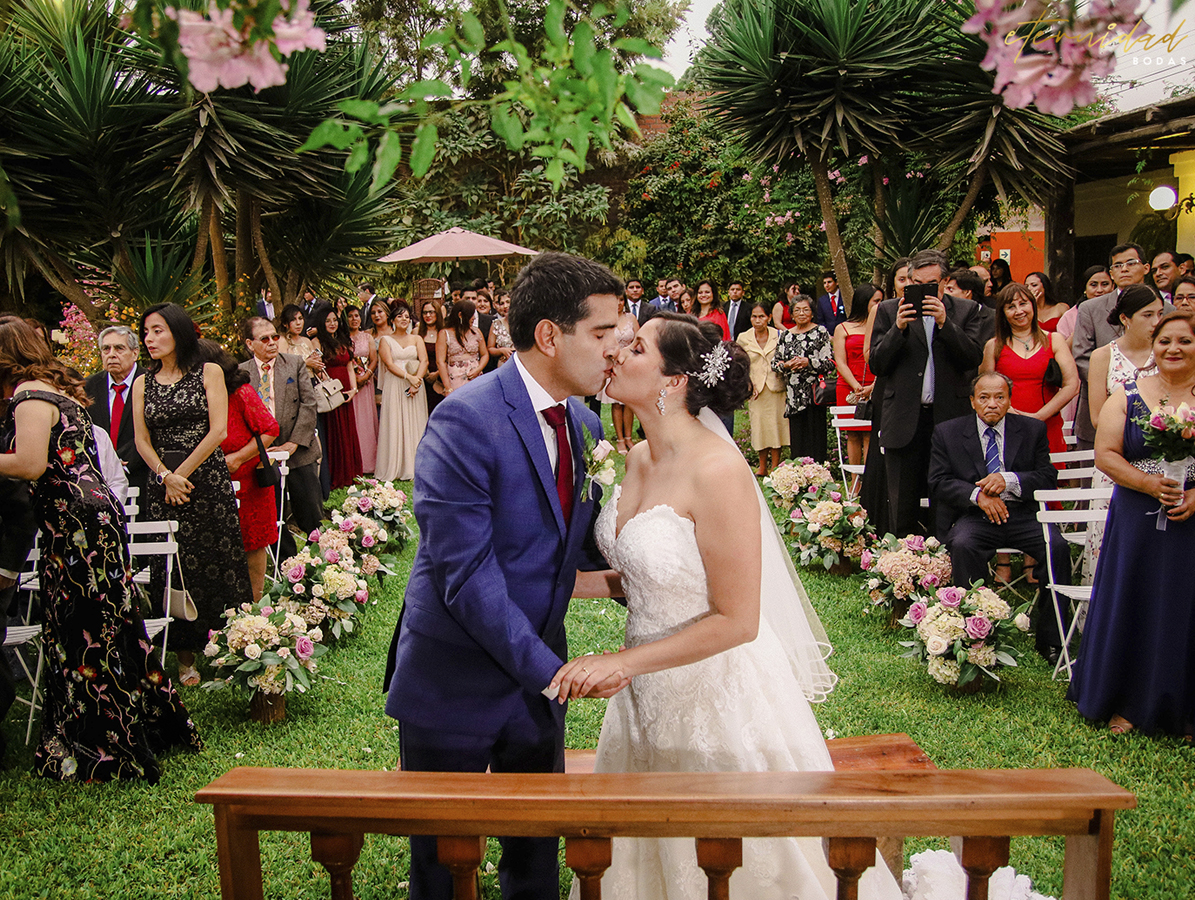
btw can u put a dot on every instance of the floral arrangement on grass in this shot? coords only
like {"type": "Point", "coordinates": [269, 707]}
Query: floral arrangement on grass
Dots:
{"type": "Point", "coordinates": [324, 584]}
{"type": "Point", "coordinates": [264, 648]}
{"type": "Point", "coordinates": [829, 527]}
{"type": "Point", "coordinates": [900, 567]}
{"type": "Point", "coordinates": [365, 536]}
{"type": "Point", "coordinates": [385, 504]}
{"type": "Point", "coordinates": [793, 479]}
{"type": "Point", "coordinates": [961, 634]}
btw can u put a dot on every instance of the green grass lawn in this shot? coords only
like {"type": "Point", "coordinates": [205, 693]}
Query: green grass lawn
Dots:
{"type": "Point", "coordinates": [132, 841]}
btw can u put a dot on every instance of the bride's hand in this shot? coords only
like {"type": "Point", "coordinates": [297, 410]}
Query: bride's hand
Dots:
{"type": "Point", "coordinates": [588, 676]}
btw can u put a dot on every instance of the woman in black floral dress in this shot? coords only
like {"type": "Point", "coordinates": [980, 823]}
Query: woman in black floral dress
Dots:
{"type": "Point", "coordinates": [180, 413]}
{"type": "Point", "coordinates": [108, 709]}
{"type": "Point", "coordinates": [803, 355]}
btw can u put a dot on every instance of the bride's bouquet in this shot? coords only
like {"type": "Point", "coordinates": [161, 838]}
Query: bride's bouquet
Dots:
{"type": "Point", "coordinates": [900, 567]}
{"type": "Point", "coordinates": [962, 634]}
{"type": "Point", "coordinates": [830, 528]}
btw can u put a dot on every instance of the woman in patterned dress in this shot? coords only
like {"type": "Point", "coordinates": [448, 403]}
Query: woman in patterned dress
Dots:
{"type": "Point", "coordinates": [461, 353]}
{"type": "Point", "coordinates": [804, 354]}
{"type": "Point", "coordinates": [108, 708]}
{"type": "Point", "coordinates": [180, 416]}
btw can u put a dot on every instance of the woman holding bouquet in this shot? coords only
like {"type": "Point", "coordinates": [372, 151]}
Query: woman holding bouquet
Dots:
{"type": "Point", "coordinates": [1136, 669]}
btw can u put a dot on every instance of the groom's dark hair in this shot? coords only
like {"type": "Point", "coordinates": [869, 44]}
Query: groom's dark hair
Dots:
{"type": "Point", "coordinates": [555, 286]}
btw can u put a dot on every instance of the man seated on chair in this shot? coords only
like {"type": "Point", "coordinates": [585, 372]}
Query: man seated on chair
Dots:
{"type": "Point", "coordinates": [983, 472]}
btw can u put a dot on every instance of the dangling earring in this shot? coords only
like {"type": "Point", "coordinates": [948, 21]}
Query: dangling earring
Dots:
{"type": "Point", "coordinates": [660, 400]}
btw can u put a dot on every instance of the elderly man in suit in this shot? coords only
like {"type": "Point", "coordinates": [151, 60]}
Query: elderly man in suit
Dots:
{"type": "Point", "coordinates": [110, 391]}
{"type": "Point", "coordinates": [927, 362]}
{"type": "Point", "coordinates": [984, 469]}
{"type": "Point", "coordinates": [504, 523]}
{"type": "Point", "coordinates": [282, 382]}
{"type": "Point", "coordinates": [1126, 265]}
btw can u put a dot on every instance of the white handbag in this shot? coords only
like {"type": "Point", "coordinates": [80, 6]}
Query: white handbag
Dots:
{"type": "Point", "coordinates": [329, 394]}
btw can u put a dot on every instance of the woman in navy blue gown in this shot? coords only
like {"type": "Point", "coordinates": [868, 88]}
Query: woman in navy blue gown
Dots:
{"type": "Point", "coordinates": [1136, 668]}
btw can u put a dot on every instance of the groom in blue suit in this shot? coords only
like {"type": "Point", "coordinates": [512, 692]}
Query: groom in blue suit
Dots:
{"type": "Point", "coordinates": [504, 525]}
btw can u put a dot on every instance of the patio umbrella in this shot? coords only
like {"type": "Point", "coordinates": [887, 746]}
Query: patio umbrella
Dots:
{"type": "Point", "coordinates": [455, 244]}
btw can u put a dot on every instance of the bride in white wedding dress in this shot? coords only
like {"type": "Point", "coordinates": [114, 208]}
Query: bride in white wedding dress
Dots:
{"type": "Point", "coordinates": [723, 653]}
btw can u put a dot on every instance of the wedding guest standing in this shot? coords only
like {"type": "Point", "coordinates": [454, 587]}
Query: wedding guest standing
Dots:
{"type": "Point", "coordinates": [803, 355]}
{"type": "Point", "coordinates": [110, 391]}
{"type": "Point", "coordinates": [107, 707]}
{"type": "Point", "coordinates": [180, 409]}
{"type": "Point", "coordinates": [342, 452]}
{"type": "Point", "coordinates": [248, 420]}
{"type": "Point", "coordinates": [855, 378]}
{"type": "Point", "coordinates": [1023, 351]}
{"type": "Point", "coordinates": [364, 364]}
{"type": "Point", "coordinates": [431, 321]}
{"type": "Point", "coordinates": [461, 354]}
{"type": "Point", "coordinates": [709, 307]}
{"type": "Point", "coordinates": [1136, 668]}
{"type": "Point", "coordinates": [621, 417]}
{"type": "Point", "coordinates": [765, 409]}
{"type": "Point", "coordinates": [499, 344]}
{"type": "Point", "coordinates": [1049, 310]}
{"type": "Point", "coordinates": [403, 358]}
{"type": "Point", "coordinates": [292, 341]}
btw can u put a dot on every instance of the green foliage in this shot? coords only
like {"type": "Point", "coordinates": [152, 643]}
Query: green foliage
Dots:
{"type": "Point", "coordinates": [559, 101]}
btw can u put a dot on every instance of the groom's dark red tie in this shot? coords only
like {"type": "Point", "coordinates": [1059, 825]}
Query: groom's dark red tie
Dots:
{"type": "Point", "coordinates": [555, 416]}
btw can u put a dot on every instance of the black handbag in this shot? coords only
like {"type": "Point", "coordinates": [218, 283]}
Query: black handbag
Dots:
{"type": "Point", "coordinates": [825, 391]}
{"type": "Point", "coordinates": [1053, 376]}
{"type": "Point", "coordinates": [863, 410]}
{"type": "Point", "coordinates": [267, 474]}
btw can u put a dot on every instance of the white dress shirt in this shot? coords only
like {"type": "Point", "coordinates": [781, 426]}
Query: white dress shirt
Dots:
{"type": "Point", "coordinates": [541, 400]}
{"type": "Point", "coordinates": [1012, 483]}
{"type": "Point", "coordinates": [111, 466]}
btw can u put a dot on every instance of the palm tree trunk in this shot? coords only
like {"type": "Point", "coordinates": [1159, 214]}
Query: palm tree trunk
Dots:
{"type": "Point", "coordinates": [201, 239]}
{"type": "Point", "coordinates": [219, 257]}
{"type": "Point", "coordinates": [978, 179]}
{"type": "Point", "coordinates": [881, 213]}
{"type": "Point", "coordinates": [821, 178]}
{"type": "Point", "coordinates": [262, 256]}
{"type": "Point", "coordinates": [243, 250]}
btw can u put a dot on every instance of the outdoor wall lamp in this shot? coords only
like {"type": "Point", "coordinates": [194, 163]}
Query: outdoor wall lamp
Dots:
{"type": "Point", "coordinates": [1165, 201]}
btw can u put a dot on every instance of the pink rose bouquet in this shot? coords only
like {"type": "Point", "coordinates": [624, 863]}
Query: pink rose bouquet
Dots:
{"type": "Point", "coordinates": [266, 647]}
{"type": "Point", "coordinates": [902, 567]}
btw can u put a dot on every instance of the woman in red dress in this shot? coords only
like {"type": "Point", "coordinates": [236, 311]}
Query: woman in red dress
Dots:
{"type": "Point", "coordinates": [855, 378]}
{"type": "Point", "coordinates": [1049, 312]}
{"type": "Point", "coordinates": [343, 451]}
{"type": "Point", "coordinates": [256, 505]}
{"type": "Point", "coordinates": [709, 307]}
{"type": "Point", "coordinates": [1022, 351]}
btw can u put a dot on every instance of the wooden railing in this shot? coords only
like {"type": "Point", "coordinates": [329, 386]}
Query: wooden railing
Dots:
{"type": "Point", "coordinates": [981, 808]}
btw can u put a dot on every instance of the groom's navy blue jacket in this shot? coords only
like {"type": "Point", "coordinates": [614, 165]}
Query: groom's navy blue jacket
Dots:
{"type": "Point", "coordinates": [482, 630]}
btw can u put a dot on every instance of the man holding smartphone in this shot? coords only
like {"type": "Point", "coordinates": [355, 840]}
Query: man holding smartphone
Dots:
{"type": "Point", "coordinates": [928, 348]}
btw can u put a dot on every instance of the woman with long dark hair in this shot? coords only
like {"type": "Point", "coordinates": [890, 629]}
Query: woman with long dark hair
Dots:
{"type": "Point", "coordinates": [248, 419]}
{"type": "Point", "coordinates": [107, 707]}
{"type": "Point", "coordinates": [709, 307]}
{"type": "Point", "coordinates": [342, 450]}
{"type": "Point", "coordinates": [461, 354]}
{"type": "Point", "coordinates": [1001, 275]}
{"type": "Point", "coordinates": [180, 417]}
{"type": "Point", "coordinates": [431, 322]}
{"type": "Point", "coordinates": [364, 365]}
{"type": "Point", "coordinates": [1049, 310]}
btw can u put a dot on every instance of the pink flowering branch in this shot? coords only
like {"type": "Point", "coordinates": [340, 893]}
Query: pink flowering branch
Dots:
{"type": "Point", "coordinates": [1046, 52]}
{"type": "Point", "coordinates": [226, 48]}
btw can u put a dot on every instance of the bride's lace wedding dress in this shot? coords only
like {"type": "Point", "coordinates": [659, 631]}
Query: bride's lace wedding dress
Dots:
{"type": "Point", "coordinates": [743, 710]}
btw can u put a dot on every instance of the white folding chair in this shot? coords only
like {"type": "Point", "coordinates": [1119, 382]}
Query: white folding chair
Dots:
{"type": "Point", "coordinates": [844, 417]}
{"type": "Point", "coordinates": [131, 505]}
{"type": "Point", "coordinates": [145, 542]}
{"type": "Point", "coordinates": [1078, 466]}
{"type": "Point", "coordinates": [1077, 596]}
{"type": "Point", "coordinates": [16, 636]}
{"type": "Point", "coordinates": [28, 581]}
{"type": "Point", "coordinates": [281, 457]}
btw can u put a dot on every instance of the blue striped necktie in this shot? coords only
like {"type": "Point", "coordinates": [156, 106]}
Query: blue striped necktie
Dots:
{"type": "Point", "coordinates": [991, 455]}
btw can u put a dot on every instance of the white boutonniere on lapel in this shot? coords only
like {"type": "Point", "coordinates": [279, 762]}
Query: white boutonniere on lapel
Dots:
{"type": "Point", "coordinates": [599, 467]}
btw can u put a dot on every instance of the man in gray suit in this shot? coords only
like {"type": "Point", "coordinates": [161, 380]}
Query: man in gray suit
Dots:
{"type": "Point", "coordinates": [1092, 329]}
{"type": "Point", "coordinates": [282, 382]}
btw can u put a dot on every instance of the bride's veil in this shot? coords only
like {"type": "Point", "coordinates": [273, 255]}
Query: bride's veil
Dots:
{"type": "Point", "coordinates": [783, 604]}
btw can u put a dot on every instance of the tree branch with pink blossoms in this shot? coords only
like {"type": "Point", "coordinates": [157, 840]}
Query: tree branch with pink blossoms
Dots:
{"type": "Point", "coordinates": [1046, 52]}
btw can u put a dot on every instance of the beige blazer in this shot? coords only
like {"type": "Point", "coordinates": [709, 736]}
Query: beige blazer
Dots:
{"type": "Point", "coordinates": [761, 360]}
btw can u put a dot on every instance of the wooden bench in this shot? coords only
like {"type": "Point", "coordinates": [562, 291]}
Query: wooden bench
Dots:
{"type": "Point", "coordinates": [981, 808]}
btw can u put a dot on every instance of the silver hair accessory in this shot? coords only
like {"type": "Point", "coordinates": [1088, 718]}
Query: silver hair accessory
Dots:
{"type": "Point", "coordinates": [660, 400]}
{"type": "Point", "coordinates": [715, 364]}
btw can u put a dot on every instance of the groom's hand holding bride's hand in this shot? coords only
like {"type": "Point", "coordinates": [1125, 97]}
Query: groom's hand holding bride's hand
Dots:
{"type": "Point", "coordinates": [591, 676]}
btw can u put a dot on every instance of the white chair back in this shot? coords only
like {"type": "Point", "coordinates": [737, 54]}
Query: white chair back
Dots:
{"type": "Point", "coordinates": [844, 417]}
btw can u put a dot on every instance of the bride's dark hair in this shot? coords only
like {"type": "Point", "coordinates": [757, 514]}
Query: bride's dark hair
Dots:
{"type": "Point", "coordinates": [684, 344]}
